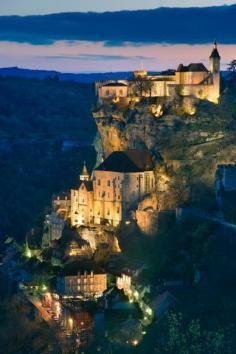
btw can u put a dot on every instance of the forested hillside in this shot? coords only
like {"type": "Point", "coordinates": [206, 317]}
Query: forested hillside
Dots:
{"type": "Point", "coordinates": [46, 132]}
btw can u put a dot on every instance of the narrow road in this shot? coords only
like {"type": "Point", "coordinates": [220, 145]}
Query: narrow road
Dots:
{"type": "Point", "coordinates": [44, 313]}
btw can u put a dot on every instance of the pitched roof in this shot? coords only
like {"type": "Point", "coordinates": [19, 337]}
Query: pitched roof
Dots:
{"type": "Point", "coordinates": [193, 67]}
{"type": "Point", "coordinates": [127, 161]}
{"type": "Point", "coordinates": [88, 185]}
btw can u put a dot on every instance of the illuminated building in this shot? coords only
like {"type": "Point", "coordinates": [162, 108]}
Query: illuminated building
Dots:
{"type": "Point", "coordinates": [116, 186]}
{"type": "Point", "coordinates": [86, 285]}
{"type": "Point", "coordinates": [190, 80]}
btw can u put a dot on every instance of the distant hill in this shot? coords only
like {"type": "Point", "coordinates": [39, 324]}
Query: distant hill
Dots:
{"type": "Point", "coordinates": [45, 74]}
{"type": "Point", "coordinates": [83, 78]}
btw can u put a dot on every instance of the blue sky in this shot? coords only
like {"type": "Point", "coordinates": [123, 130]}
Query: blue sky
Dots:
{"type": "Point", "coordinates": [24, 7]}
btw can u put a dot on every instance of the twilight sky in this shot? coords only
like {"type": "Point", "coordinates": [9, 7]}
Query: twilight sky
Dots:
{"type": "Point", "coordinates": [25, 7]}
{"type": "Point", "coordinates": [116, 41]}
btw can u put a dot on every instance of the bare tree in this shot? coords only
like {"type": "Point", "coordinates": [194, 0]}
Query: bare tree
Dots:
{"type": "Point", "coordinates": [142, 86]}
{"type": "Point", "coordinates": [232, 68]}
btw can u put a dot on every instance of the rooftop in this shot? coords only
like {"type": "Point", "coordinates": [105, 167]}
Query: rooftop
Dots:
{"type": "Point", "coordinates": [115, 84]}
{"type": "Point", "coordinates": [215, 53]}
{"type": "Point", "coordinates": [193, 67]}
{"type": "Point", "coordinates": [88, 185]}
{"type": "Point", "coordinates": [127, 161]}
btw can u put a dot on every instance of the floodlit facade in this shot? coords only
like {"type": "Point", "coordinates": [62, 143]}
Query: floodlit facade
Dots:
{"type": "Point", "coordinates": [123, 282]}
{"type": "Point", "coordinates": [191, 80]}
{"type": "Point", "coordinates": [86, 285]}
{"type": "Point", "coordinates": [115, 187]}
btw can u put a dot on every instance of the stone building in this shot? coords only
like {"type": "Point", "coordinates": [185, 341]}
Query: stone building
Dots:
{"type": "Point", "coordinates": [53, 228]}
{"type": "Point", "coordinates": [113, 89]}
{"type": "Point", "coordinates": [116, 186]}
{"type": "Point", "coordinates": [86, 285]}
{"type": "Point", "coordinates": [123, 282]}
{"type": "Point", "coordinates": [191, 80]}
{"type": "Point", "coordinates": [61, 204]}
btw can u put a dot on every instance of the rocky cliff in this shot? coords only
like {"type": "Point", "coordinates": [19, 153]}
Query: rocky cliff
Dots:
{"type": "Point", "coordinates": [187, 138]}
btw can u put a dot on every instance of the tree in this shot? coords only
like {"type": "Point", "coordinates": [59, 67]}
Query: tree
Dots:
{"type": "Point", "coordinates": [232, 68]}
{"type": "Point", "coordinates": [191, 338]}
{"type": "Point", "coordinates": [142, 85]}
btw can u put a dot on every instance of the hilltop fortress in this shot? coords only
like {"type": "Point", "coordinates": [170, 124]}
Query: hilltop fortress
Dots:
{"type": "Point", "coordinates": [192, 80]}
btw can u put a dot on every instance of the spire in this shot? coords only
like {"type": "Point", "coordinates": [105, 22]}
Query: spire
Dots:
{"type": "Point", "coordinates": [215, 53]}
{"type": "Point", "coordinates": [84, 175]}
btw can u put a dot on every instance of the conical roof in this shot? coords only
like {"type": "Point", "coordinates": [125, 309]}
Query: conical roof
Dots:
{"type": "Point", "coordinates": [85, 171]}
{"type": "Point", "coordinates": [215, 53]}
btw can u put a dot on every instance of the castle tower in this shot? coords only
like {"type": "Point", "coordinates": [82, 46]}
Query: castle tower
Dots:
{"type": "Point", "coordinates": [214, 61]}
{"type": "Point", "coordinates": [84, 175]}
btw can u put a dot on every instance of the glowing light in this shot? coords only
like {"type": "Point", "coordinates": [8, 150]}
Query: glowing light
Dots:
{"type": "Point", "coordinates": [135, 342]}
{"type": "Point", "coordinates": [44, 288]}
{"type": "Point", "coordinates": [70, 323]}
{"type": "Point", "coordinates": [149, 311]}
{"type": "Point", "coordinates": [28, 253]}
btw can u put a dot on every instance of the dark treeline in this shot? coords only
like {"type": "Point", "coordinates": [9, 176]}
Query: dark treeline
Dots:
{"type": "Point", "coordinates": [46, 132]}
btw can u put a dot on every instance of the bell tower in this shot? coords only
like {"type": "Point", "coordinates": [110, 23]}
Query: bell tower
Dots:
{"type": "Point", "coordinates": [84, 175]}
{"type": "Point", "coordinates": [214, 61]}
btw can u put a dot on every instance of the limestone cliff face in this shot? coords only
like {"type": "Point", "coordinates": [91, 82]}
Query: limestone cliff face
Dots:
{"type": "Point", "coordinates": [186, 137]}
{"type": "Point", "coordinates": [100, 235]}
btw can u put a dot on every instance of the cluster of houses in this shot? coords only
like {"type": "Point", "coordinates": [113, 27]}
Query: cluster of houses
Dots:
{"type": "Point", "coordinates": [107, 196]}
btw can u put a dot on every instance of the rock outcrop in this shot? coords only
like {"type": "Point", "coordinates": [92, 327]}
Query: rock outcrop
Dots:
{"type": "Point", "coordinates": [187, 138]}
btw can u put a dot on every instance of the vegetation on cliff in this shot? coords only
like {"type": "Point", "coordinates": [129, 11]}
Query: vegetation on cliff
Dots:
{"type": "Point", "coordinates": [46, 132]}
{"type": "Point", "coordinates": [188, 138]}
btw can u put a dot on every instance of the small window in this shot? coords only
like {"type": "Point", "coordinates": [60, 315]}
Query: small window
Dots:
{"type": "Point", "coordinates": [107, 92]}
{"type": "Point", "coordinates": [99, 182]}
{"type": "Point", "coordinates": [108, 183]}
{"type": "Point", "coordinates": [118, 210]}
{"type": "Point", "coordinates": [121, 92]}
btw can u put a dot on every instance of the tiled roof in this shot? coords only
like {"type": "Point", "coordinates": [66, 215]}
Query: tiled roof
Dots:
{"type": "Point", "coordinates": [193, 67]}
{"type": "Point", "coordinates": [127, 161]}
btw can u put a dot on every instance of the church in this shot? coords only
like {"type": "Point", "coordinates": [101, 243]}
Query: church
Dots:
{"type": "Point", "coordinates": [116, 186]}
{"type": "Point", "coordinates": [194, 80]}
